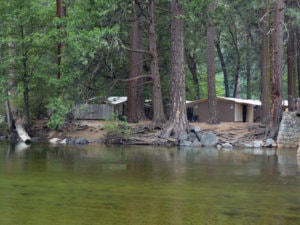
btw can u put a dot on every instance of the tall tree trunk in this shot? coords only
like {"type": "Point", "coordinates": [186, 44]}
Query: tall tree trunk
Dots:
{"type": "Point", "coordinates": [178, 118]}
{"type": "Point", "coordinates": [133, 68]}
{"type": "Point", "coordinates": [15, 117]}
{"type": "Point", "coordinates": [277, 68]}
{"type": "Point", "coordinates": [192, 65]}
{"type": "Point", "coordinates": [265, 69]}
{"type": "Point", "coordinates": [212, 99]}
{"type": "Point", "coordinates": [236, 83]}
{"type": "Point", "coordinates": [25, 80]}
{"type": "Point", "coordinates": [223, 65]}
{"type": "Point", "coordinates": [298, 58]}
{"type": "Point", "coordinates": [59, 45]}
{"type": "Point", "coordinates": [140, 82]}
{"type": "Point", "coordinates": [291, 70]}
{"type": "Point", "coordinates": [157, 103]}
{"type": "Point", "coordinates": [61, 11]}
{"type": "Point", "coordinates": [248, 65]}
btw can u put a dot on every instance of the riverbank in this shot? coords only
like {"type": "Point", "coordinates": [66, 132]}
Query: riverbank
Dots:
{"type": "Point", "coordinates": [94, 130]}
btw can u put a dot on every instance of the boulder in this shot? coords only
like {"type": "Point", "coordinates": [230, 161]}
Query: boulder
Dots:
{"type": "Point", "coordinates": [198, 132]}
{"type": "Point", "coordinates": [209, 139]}
{"type": "Point", "coordinates": [185, 143]}
{"type": "Point", "coordinates": [81, 141]}
{"type": "Point", "coordinates": [196, 143]}
{"type": "Point", "coordinates": [269, 143]}
{"type": "Point", "coordinates": [192, 137]}
{"type": "Point", "coordinates": [55, 140]}
{"type": "Point", "coordinates": [182, 136]}
{"type": "Point", "coordinates": [226, 146]}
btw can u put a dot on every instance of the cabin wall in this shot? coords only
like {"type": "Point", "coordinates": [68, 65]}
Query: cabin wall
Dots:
{"type": "Point", "coordinates": [227, 111]}
{"type": "Point", "coordinates": [94, 111]}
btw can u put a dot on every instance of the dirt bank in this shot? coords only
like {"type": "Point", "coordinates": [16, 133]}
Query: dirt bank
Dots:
{"type": "Point", "coordinates": [94, 130]}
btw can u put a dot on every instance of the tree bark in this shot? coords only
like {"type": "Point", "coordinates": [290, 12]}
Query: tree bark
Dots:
{"type": "Point", "coordinates": [14, 116]}
{"type": "Point", "coordinates": [236, 87]}
{"type": "Point", "coordinates": [157, 103]}
{"type": "Point", "coordinates": [265, 68]}
{"type": "Point", "coordinates": [192, 65]}
{"type": "Point", "coordinates": [133, 69]}
{"type": "Point", "coordinates": [60, 12]}
{"type": "Point", "coordinates": [212, 99]}
{"type": "Point", "coordinates": [178, 118]}
{"type": "Point", "coordinates": [277, 68]}
{"type": "Point", "coordinates": [223, 65]}
{"type": "Point", "coordinates": [248, 65]}
{"type": "Point", "coordinates": [291, 70]}
{"type": "Point", "coordinates": [298, 58]}
{"type": "Point", "coordinates": [140, 82]}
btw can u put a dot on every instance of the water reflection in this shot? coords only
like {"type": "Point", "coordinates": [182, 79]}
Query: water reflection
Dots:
{"type": "Point", "coordinates": [155, 159]}
{"type": "Point", "coordinates": [147, 185]}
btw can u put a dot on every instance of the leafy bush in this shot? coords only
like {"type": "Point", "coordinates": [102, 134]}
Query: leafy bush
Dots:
{"type": "Point", "coordinates": [58, 109]}
{"type": "Point", "coordinates": [117, 126]}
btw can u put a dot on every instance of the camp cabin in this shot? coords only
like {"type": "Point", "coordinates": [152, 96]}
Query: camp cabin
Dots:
{"type": "Point", "coordinates": [112, 105]}
{"type": "Point", "coordinates": [228, 109]}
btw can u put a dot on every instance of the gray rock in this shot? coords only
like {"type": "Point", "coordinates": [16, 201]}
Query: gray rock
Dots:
{"type": "Point", "coordinates": [81, 141]}
{"type": "Point", "coordinates": [209, 139]}
{"type": "Point", "coordinates": [258, 143]}
{"type": "Point", "coordinates": [196, 143]}
{"type": "Point", "coordinates": [269, 143]}
{"type": "Point", "coordinates": [226, 145]}
{"type": "Point", "coordinates": [55, 140]}
{"type": "Point", "coordinates": [247, 145]}
{"type": "Point", "coordinates": [198, 132]}
{"type": "Point", "coordinates": [192, 137]}
{"type": "Point", "coordinates": [185, 143]}
{"type": "Point", "coordinates": [3, 138]}
{"type": "Point", "coordinates": [182, 136]}
{"type": "Point", "coordinates": [196, 129]}
{"type": "Point", "coordinates": [253, 144]}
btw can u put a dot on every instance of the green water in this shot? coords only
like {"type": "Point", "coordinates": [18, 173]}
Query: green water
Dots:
{"type": "Point", "coordinates": [96, 184]}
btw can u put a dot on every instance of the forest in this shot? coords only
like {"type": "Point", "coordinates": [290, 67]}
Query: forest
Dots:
{"type": "Point", "coordinates": [55, 54]}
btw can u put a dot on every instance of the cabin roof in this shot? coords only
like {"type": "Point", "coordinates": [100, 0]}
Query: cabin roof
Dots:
{"type": "Point", "coordinates": [235, 100]}
{"type": "Point", "coordinates": [115, 100]}
{"type": "Point", "coordinates": [227, 99]}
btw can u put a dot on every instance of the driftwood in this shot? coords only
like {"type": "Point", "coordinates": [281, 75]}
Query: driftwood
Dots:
{"type": "Point", "coordinates": [23, 135]}
{"type": "Point", "coordinates": [141, 135]}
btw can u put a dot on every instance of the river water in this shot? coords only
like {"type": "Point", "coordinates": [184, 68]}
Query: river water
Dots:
{"type": "Point", "coordinates": [117, 185]}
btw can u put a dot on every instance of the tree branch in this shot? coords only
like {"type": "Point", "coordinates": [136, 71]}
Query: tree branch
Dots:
{"type": "Point", "coordinates": [134, 50]}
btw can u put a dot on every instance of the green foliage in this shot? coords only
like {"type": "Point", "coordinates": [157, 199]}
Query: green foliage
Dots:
{"type": "Point", "coordinates": [92, 59]}
{"type": "Point", "coordinates": [118, 126]}
{"type": "Point", "coordinates": [58, 109]}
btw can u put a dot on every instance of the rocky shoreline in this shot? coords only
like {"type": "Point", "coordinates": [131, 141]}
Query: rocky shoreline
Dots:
{"type": "Point", "coordinates": [221, 136]}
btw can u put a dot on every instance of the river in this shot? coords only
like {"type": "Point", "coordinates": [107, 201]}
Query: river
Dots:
{"type": "Point", "coordinates": [118, 185]}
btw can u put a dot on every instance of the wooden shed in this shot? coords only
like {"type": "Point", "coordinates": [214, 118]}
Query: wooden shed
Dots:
{"type": "Point", "coordinates": [112, 105]}
{"type": "Point", "coordinates": [228, 109]}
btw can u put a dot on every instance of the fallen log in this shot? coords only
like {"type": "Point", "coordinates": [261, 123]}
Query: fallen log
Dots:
{"type": "Point", "coordinates": [23, 135]}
